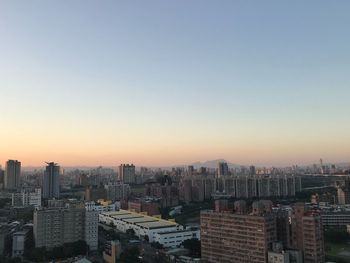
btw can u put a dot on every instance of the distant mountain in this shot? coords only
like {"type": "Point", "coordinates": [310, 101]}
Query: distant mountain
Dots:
{"type": "Point", "coordinates": [213, 164]}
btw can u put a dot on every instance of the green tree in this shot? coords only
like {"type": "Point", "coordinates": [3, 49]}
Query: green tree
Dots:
{"type": "Point", "coordinates": [194, 246]}
{"type": "Point", "coordinates": [130, 255]}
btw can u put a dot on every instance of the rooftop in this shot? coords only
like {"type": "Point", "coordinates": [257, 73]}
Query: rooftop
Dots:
{"type": "Point", "coordinates": [140, 219]}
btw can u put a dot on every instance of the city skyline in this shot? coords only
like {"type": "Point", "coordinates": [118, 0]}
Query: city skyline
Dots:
{"type": "Point", "coordinates": [157, 84]}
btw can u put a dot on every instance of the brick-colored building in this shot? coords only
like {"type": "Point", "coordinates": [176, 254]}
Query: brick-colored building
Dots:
{"type": "Point", "coordinates": [307, 234]}
{"type": "Point", "coordinates": [232, 237]}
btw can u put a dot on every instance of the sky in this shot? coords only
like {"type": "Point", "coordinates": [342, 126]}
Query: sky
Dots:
{"type": "Point", "coordinates": [173, 82]}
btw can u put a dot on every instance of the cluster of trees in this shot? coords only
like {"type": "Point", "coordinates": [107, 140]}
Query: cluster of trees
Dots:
{"type": "Point", "coordinates": [194, 246]}
{"type": "Point", "coordinates": [68, 250]}
{"type": "Point", "coordinates": [336, 236]}
{"type": "Point", "coordinates": [4, 259]}
{"type": "Point", "coordinates": [4, 202]}
{"type": "Point", "coordinates": [130, 255]}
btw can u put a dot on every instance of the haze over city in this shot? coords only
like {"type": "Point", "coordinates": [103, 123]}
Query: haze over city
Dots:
{"type": "Point", "coordinates": [162, 83]}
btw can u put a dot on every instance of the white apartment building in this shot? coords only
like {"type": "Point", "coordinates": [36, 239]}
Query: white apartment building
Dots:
{"type": "Point", "coordinates": [27, 198]}
{"type": "Point", "coordinates": [175, 238]}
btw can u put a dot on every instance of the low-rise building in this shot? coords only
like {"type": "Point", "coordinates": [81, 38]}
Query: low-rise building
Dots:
{"type": "Point", "coordinates": [152, 228]}
{"type": "Point", "coordinates": [175, 238]}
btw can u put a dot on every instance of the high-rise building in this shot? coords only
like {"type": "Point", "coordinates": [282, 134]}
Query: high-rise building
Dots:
{"type": "Point", "coordinates": [2, 178]}
{"type": "Point", "coordinates": [91, 228]}
{"type": "Point", "coordinates": [127, 173]}
{"type": "Point", "coordinates": [222, 169]}
{"type": "Point", "coordinates": [12, 174]}
{"type": "Point", "coordinates": [51, 181]}
{"type": "Point", "coordinates": [236, 237]}
{"type": "Point", "coordinates": [307, 234]}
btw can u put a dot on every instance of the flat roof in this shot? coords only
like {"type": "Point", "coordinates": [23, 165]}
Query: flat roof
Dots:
{"type": "Point", "coordinates": [140, 219]}
{"type": "Point", "coordinates": [127, 216]}
{"type": "Point", "coordinates": [158, 224]}
{"type": "Point", "coordinates": [116, 213]}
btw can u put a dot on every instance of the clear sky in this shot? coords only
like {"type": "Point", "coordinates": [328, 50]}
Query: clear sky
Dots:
{"type": "Point", "coordinates": [173, 82]}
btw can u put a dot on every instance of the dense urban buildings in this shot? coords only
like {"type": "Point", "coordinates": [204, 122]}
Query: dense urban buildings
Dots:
{"type": "Point", "coordinates": [51, 181]}
{"type": "Point", "coordinates": [237, 237]}
{"type": "Point", "coordinates": [248, 234]}
{"type": "Point", "coordinates": [12, 174]}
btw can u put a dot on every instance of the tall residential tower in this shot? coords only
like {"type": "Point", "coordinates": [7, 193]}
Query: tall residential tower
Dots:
{"type": "Point", "coordinates": [51, 181]}
{"type": "Point", "coordinates": [12, 174]}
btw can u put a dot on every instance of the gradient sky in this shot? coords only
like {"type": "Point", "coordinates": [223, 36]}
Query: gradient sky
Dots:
{"type": "Point", "coordinates": [173, 82]}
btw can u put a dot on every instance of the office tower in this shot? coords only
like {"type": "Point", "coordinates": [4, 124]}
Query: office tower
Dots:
{"type": "Point", "coordinates": [51, 181]}
{"type": "Point", "coordinates": [127, 173]}
{"type": "Point", "coordinates": [307, 234]}
{"type": "Point", "coordinates": [12, 174]}
{"type": "Point", "coordinates": [222, 169]}
{"type": "Point", "coordinates": [58, 225]}
{"type": "Point", "coordinates": [232, 237]}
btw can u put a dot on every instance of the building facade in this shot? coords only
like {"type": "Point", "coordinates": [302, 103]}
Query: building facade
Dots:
{"type": "Point", "coordinates": [27, 198]}
{"type": "Point", "coordinates": [58, 225]}
{"type": "Point", "coordinates": [232, 237]}
{"type": "Point", "coordinates": [51, 181]}
{"type": "Point", "coordinates": [12, 174]}
{"type": "Point", "coordinates": [127, 173]}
